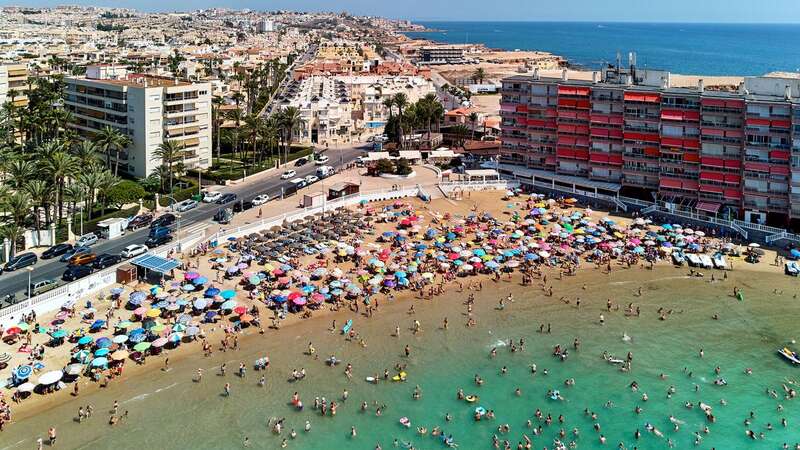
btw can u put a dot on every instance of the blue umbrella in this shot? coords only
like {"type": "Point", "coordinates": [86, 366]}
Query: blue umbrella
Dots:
{"type": "Point", "coordinates": [161, 304]}
{"type": "Point", "coordinates": [23, 372]}
{"type": "Point", "coordinates": [84, 340]}
{"type": "Point", "coordinates": [100, 362]}
{"type": "Point", "coordinates": [175, 337]}
{"type": "Point", "coordinates": [200, 280]}
{"type": "Point", "coordinates": [188, 287]}
{"type": "Point", "coordinates": [228, 294]}
{"type": "Point", "coordinates": [230, 304]}
{"type": "Point", "coordinates": [400, 274]}
{"type": "Point", "coordinates": [200, 303]}
{"type": "Point", "coordinates": [139, 337]}
{"type": "Point", "coordinates": [103, 343]}
{"type": "Point", "coordinates": [101, 352]}
{"type": "Point", "coordinates": [98, 323]}
{"type": "Point", "coordinates": [59, 334]}
{"type": "Point", "coordinates": [137, 296]}
{"type": "Point", "coordinates": [117, 291]}
{"type": "Point", "coordinates": [795, 253]}
{"type": "Point", "coordinates": [210, 292]}
{"type": "Point", "coordinates": [210, 315]}
{"type": "Point", "coordinates": [136, 331]}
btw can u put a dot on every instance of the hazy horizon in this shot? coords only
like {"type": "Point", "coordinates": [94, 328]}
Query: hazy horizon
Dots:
{"type": "Point", "coordinates": [676, 11]}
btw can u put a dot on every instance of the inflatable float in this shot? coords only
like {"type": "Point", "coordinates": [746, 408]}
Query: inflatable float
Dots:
{"type": "Point", "coordinates": [347, 326]}
{"type": "Point", "coordinates": [471, 398]}
{"type": "Point", "coordinates": [405, 421]}
{"type": "Point", "coordinates": [400, 377]}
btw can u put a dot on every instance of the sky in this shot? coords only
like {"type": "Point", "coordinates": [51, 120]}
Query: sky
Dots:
{"type": "Point", "coordinates": [750, 11]}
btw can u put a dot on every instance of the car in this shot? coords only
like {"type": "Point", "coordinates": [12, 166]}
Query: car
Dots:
{"type": "Point", "coordinates": [156, 241]}
{"type": "Point", "coordinates": [301, 162]}
{"type": "Point", "coordinates": [87, 240]}
{"type": "Point", "coordinates": [75, 251]}
{"type": "Point", "coordinates": [133, 250]}
{"type": "Point", "coordinates": [288, 174]}
{"type": "Point", "coordinates": [158, 232]}
{"type": "Point", "coordinates": [82, 259]}
{"type": "Point", "coordinates": [56, 250]}
{"type": "Point", "coordinates": [41, 286]}
{"type": "Point", "coordinates": [140, 221]}
{"type": "Point", "coordinates": [311, 179]}
{"type": "Point", "coordinates": [260, 199]}
{"type": "Point", "coordinates": [163, 221]}
{"type": "Point", "coordinates": [361, 160]}
{"type": "Point", "coordinates": [211, 197]}
{"type": "Point", "coordinates": [321, 159]}
{"type": "Point", "coordinates": [297, 184]}
{"type": "Point", "coordinates": [76, 272]}
{"type": "Point", "coordinates": [21, 261]}
{"type": "Point", "coordinates": [242, 206]}
{"type": "Point", "coordinates": [227, 198]}
{"type": "Point", "coordinates": [185, 205]}
{"type": "Point", "coordinates": [106, 260]}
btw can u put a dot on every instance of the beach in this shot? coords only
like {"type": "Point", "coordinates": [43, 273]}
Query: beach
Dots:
{"type": "Point", "coordinates": [161, 399]}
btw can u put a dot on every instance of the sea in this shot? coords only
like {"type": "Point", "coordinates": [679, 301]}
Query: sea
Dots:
{"type": "Point", "coordinates": [686, 48]}
{"type": "Point", "coordinates": [167, 410]}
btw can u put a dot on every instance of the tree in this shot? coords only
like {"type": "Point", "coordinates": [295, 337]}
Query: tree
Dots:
{"type": "Point", "coordinates": [87, 153]}
{"type": "Point", "coordinates": [123, 193]}
{"type": "Point", "coordinates": [58, 167]}
{"type": "Point", "coordinates": [168, 153]}
{"type": "Point", "coordinates": [112, 139]}
{"type": "Point", "coordinates": [217, 119]}
{"type": "Point", "coordinates": [479, 75]}
{"type": "Point", "coordinates": [41, 194]}
{"type": "Point", "coordinates": [12, 232]}
{"type": "Point", "coordinates": [384, 166]}
{"type": "Point", "coordinates": [174, 61]}
{"type": "Point", "coordinates": [253, 128]}
{"type": "Point", "coordinates": [460, 133]}
{"type": "Point", "coordinates": [290, 120]}
{"type": "Point", "coordinates": [473, 119]}
{"type": "Point", "coordinates": [106, 183]}
{"type": "Point", "coordinates": [402, 167]}
{"type": "Point", "coordinates": [400, 101]}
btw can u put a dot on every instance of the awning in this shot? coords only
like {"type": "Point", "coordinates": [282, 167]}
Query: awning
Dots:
{"type": "Point", "coordinates": [155, 263]}
{"type": "Point", "coordinates": [709, 207]}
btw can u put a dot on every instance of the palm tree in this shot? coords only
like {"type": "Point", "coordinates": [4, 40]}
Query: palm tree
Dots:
{"type": "Point", "coordinates": [111, 139]}
{"type": "Point", "coordinates": [253, 128]}
{"type": "Point", "coordinates": [479, 75]}
{"type": "Point", "coordinates": [473, 119]}
{"type": "Point", "coordinates": [290, 119]}
{"type": "Point", "coordinates": [217, 119]}
{"type": "Point", "coordinates": [105, 183]}
{"type": "Point", "coordinates": [86, 152]}
{"type": "Point", "coordinates": [401, 101]}
{"type": "Point", "coordinates": [90, 182]}
{"type": "Point", "coordinates": [460, 133]}
{"type": "Point", "coordinates": [41, 193]}
{"type": "Point", "coordinates": [12, 232]}
{"type": "Point", "coordinates": [271, 133]}
{"type": "Point", "coordinates": [168, 153]}
{"type": "Point", "coordinates": [18, 172]}
{"type": "Point", "coordinates": [18, 206]}
{"type": "Point", "coordinates": [236, 116]}
{"type": "Point", "coordinates": [74, 193]}
{"type": "Point", "coordinates": [58, 167]}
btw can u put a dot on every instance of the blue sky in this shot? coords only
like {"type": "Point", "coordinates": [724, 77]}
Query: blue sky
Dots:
{"type": "Point", "coordinates": [524, 10]}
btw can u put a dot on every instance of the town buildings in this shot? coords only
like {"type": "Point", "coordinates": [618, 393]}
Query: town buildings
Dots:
{"type": "Point", "coordinates": [148, 109]}
{"type": "Point", "coordinates": [716, 152]}
{"type": "Point", "coordinates": [14, 84]}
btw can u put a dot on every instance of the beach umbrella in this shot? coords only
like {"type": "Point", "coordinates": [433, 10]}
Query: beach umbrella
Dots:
{"type": "Point", "coordinates": [101, 362]}
{"type": "Point", "coordinates": [211, 292]}
{"type": "Point", "coordinates": [26, 387]}
{"type": "Point", "coordinates": [153, 313]}
{"type": "Point", "coordinates": [230, 304]}
{"type": "Point", "coordinates": [124, 324]}
{"type": "Point", "coordinates": [103, 342]}
{"type": "Point", "coordinates": [228, 294]}
{"type": "Point", "coordinates": [73, 369]}
{"type": "Point", "coordinates": [158, 328]}
{"type": "Point", "coordinates": [199, 281]}
{"type": "Point", "coordinates": [188, 287]}
{"type": "Point", "coordinates": [192, 331]}
{"type": "Point", "coordinates": [140, 311]}
{"type": "Point", "coordinates": [239, 310]}
{"type": "Point", "coordinates": [59, 334]}
{"type": "Point", "coordinates": [173, 307]}
{"type": "Point", "coordinates": [210, 315]}
{"type": "Point", "coordinates": [5, 358]}
{"type": "Point", "coordinates": [136, 338]}
{"type": "Point", "coordinates": [141, 346]}
{"type": "Point", "coordinates": [23, 372]}
{"type": "Point", "coordinates": [175, 337]}
{"type": "Point", "coordinates": [119, 355]}
{"type": "Point", "coordinates": [120, 339]}
{"type": "Point", "coordinates": [191, 275]}
{"type": "Point", "coordinates": [81, 355]}
{"type": "Point", "coordinates": [137, 296]}
{"type": "Point", "coordinates": [101, 352]}
{"type": "Point", "coordinates": [117, 291]}
{"type": "Point", "coordinates": [178, 327]}
{"type": "Point", "coordinates": [160, 342]}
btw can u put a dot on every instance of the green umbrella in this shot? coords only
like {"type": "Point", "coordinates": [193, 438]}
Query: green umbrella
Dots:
{"type": "Point", "coordinates": [23, 326]}
{"type": "Point", "coordinates": [178, 327]}
{"type": "Point", "coordinates": [124, 324]}
{"type": "Point", "coordinates": [141, 346]}
{"type": "Point", "coordinates": [158, 328]}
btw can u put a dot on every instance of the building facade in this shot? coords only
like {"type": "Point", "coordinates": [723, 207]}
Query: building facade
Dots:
{"type": "Point", "coordinates": [14, 84]}
{"type": "Point", "coordinates": [733, 153]}
{"type": "Point", "coordinates": [441, 55]}
{"type": "Point", "coordinates": [150, 110]}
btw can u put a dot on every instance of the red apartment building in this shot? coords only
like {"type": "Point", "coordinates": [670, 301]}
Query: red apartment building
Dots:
{"type": "Point", "coordinates": [628, 132]}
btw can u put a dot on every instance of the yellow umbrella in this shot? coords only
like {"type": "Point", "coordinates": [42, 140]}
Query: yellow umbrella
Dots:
{"type": "Point", "coordinates": [119, 355]}
{"type": "Point", "coordinates": [269, 267]}
{"type": "Point", "coordinates": [155, 312]}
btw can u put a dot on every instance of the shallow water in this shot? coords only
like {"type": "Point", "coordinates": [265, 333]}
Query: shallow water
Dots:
{"type": "Point", "coordinates": [169, 411]}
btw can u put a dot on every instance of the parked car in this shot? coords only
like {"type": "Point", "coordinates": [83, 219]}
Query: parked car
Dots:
{"type": "Point", "coordinates": [140, 221]}
{"type": "Point", "coordinates": [21, 261]}
{"type": "Point", "coordinates": [223, 216]}
{"type": "Point", "coordinates": [106, 260]}
{"type": "Point", "coordinates": [156, 241]}
{"type": "Point", "coordinates": [75, 251]}
{"type": "Point", "coordinates": [133, 251]}
{"type": "Point", "coordinates": [227, 198]}
{"type": "Point", "coordinates": [82, 259]}
{"type": "Point", "coordinates": [56, 250]}
{"type": "Point", "coordinates": [87, 240]}
{"type": "Point", "coordinates": [288, 174]}
{"type": "Point", "coordinates": [322, 159]}
{"type": "Point", "coordinates": [76, 272]}
{"type": "Point", "coordinates": [158, 232]}
{"type": "Point", "coordinates": [301, 162]}
{"type": "Point", "coordinates": [163, 221]}
{"type": "Point", "coordinates": [211, 197]}
{"type": "Point", "coordinates": [41, 286]}
{"type": "Point", "coordinates": [260, 199]}
{"type": "Point", "coordinates": [185, 205]}
{"type": "Point", "coordinates": [311, 179]}
{"type": "Point", "coordinates": [242, 206]}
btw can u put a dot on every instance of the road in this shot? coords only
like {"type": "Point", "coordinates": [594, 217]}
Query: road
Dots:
{"type": "Point", "coordinates": [16, 282]}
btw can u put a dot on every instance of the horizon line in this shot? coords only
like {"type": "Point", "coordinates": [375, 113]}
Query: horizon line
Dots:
{"type": "Point", "coordinates": [677, 22]}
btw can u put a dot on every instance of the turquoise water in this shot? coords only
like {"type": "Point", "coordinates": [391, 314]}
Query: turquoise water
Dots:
{"type": "Point", "coordinates": [707, 49]}
{"type": "Point", "coordinates": [168, 410]}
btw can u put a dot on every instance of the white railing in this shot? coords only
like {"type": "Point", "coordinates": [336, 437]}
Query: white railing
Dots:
{"type": "Point", "coordinates": [54, 299]}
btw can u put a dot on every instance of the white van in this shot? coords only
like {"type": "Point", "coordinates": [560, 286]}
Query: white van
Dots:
{"type": "Point", "coordinates": [324, 171]}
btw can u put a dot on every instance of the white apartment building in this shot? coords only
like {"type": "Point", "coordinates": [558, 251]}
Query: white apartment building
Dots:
{"type": "Point", "coordinates": [325, 110]}
{"type": "Point", "coordinates": [14, 84]}
{"type": "Point", "coordinates": [150, 110]}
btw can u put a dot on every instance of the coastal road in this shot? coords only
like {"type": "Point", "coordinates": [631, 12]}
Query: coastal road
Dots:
{"type": "Point", "coordinates": [271, 184]}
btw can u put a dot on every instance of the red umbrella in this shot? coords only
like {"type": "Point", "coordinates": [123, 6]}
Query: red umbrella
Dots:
{"type": "Point", "coordinates": [294, 295]}
{"type": "Point", "coordinates": [13, 330]}
{"type": "Point", "coordinates": [239, 310]}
